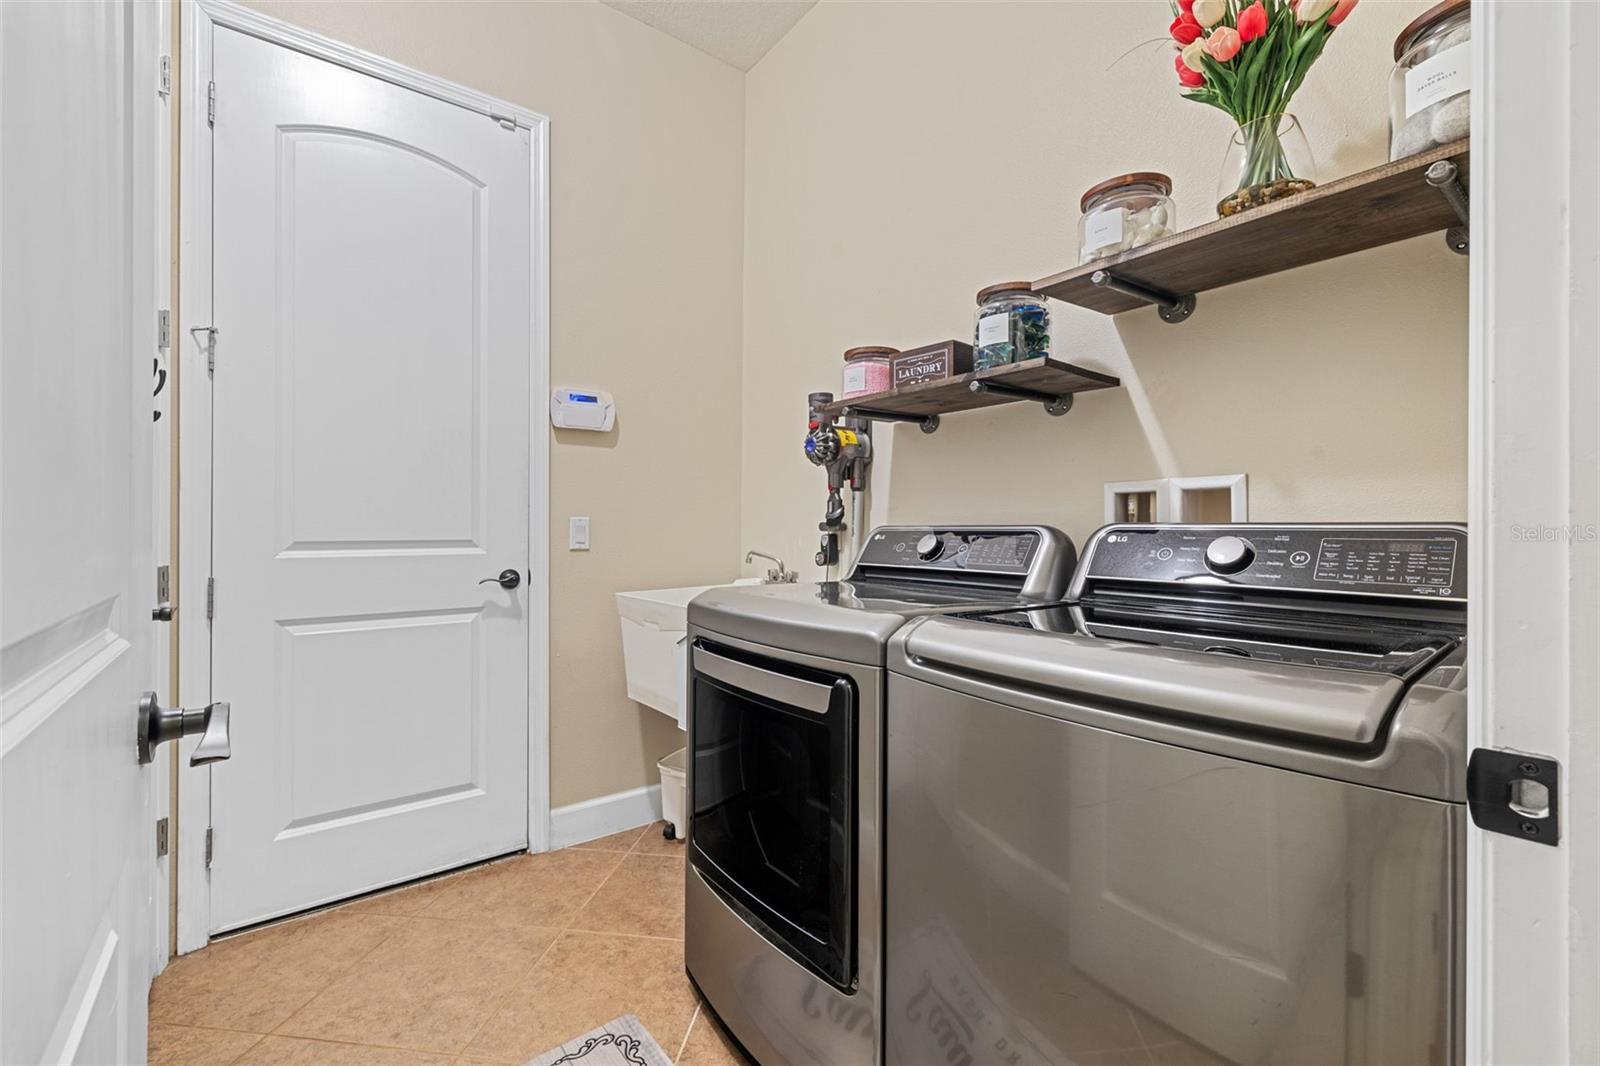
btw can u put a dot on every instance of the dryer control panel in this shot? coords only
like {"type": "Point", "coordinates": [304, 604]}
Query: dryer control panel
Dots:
{"type": "Point", "coordinates": [993, 550]}
{"type": "Point", "coordinates": [1036, 561]}
{"type": "Point", "coordinates": [1409, 561]}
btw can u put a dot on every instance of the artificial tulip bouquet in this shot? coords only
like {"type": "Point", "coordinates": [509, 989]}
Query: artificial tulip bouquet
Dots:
{"type": "Point", "coordinates": [1248, 60]}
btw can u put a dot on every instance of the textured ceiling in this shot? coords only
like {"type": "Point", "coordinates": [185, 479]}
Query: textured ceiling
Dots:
{"type": "Point", "coordinates": [738, 32]}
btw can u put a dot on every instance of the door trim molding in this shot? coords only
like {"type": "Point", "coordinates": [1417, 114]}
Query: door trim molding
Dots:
{"type": "Point", "coordinates": [248, 20]}
{"type": "Point", "coordinates": [1532, 972]}
{"type": "Point", "coordinates": [165, 488]}
{"type": "Point", "coordinates": [199, 19]}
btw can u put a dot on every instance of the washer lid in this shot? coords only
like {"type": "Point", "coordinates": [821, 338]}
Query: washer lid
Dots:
{"type": "Point", "coordinates": [1364, 728]}
{"type": "Point", "coordinates": [1314, 704]}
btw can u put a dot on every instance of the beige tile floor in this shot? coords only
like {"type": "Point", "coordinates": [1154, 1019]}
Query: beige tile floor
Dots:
{"type": "Point", "coordinates": [493, 965]}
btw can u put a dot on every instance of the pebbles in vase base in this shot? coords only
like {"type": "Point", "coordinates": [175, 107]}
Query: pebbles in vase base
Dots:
{"type": "Point", "coordinates": [1257, 195]}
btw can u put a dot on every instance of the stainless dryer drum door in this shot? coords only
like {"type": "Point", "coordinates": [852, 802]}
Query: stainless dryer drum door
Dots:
{"type": "Point", "coordinates": [773, 809]}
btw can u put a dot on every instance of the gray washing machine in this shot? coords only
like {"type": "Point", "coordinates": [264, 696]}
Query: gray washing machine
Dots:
{"type": "Point", "coordinates": [1209, 811]}
{"type": "Point", "coordinates": [783, 915]}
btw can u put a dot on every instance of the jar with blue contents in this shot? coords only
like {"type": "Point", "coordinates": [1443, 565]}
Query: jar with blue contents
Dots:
{"type": "Point", "coordinates": [1013, 324]}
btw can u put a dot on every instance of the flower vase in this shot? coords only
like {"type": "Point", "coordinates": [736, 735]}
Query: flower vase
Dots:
{"type": "Point", "coordinates": [1268, 159]}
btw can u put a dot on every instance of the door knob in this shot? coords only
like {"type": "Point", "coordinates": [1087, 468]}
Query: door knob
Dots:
{"type": "Point", "coordinates": [508, 579]}
{"type": "Point", "coordinates": [158, 724]}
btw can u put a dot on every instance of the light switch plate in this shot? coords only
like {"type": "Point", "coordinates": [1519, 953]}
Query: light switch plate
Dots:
{"type": "Point", "coordinates": [578, 533]}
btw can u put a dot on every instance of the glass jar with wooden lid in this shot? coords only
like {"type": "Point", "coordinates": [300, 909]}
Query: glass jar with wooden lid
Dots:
{"type": "Point", "coordinates": [866, 370]}
{"type": "Point", "coordinates": [1430, 87]}
{"type": "Point", "coordinates": [1013, 324]}
{"type": "Point", "coordinates": [1125, 212]}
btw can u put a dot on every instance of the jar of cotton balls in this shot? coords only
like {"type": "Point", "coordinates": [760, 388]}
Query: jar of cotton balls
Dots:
{"type": "Point", "coordinates": [1430, 99]}
{"type": "Point", "coordinates": [1125, 212]}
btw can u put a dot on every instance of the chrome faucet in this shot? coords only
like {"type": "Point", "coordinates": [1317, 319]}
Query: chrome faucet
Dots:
{"type": "Point", "coordinates": [779, 575]}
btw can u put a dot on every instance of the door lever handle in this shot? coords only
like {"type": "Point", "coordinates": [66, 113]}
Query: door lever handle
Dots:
{"type": "Point", "coordinates": [158, 724]}
{"type": "Point", "coordinates": [508, 579]}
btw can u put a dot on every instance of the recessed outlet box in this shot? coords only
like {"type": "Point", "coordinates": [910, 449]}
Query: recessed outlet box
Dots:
{"type": "Point", "coordinates": [1213, 500]}
{"type": "Point", "coordinates": [1134, 501]}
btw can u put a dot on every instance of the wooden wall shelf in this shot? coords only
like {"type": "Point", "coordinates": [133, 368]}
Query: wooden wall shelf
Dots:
{"type": "Point", "coordinates": [1046, 381]}
{"type": "Point", "coordinates": [1375, 207]}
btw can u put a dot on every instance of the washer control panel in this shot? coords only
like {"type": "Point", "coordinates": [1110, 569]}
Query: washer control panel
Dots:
{"type": "Point", "coordinates": [1383, 560]}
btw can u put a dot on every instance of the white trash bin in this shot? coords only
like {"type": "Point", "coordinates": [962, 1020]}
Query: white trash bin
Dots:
{"type": "Point", "coordinates": [672, 793]}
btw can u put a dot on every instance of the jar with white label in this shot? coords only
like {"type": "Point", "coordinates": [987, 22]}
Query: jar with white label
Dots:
{"type": "Point", "coordinates": [1430, 98]}
{"type": "Point", "coordinates": [1013, 324]}
{"type": "Point", "coordinates": [866, 370]}
{"type": "Point", "coordinates": [1125, 212]}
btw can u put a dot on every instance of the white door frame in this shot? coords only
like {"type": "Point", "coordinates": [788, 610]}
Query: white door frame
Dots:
{"type": "Point", "coordinates": [200, 18]}
{"type": "Point", "coordinates": [149, 58]}
{"type": "Point", "coordinates": [1533, 964]}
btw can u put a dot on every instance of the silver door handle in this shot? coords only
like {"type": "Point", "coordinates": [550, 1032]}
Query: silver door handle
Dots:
{"type": "Point", "coordinates": [158, 724]}
{"type": "Point", "coordinates": [781, 688]}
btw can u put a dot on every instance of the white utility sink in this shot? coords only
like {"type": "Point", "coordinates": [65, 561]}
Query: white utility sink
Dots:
{"type": "Point", "coordinates": [655, 645]}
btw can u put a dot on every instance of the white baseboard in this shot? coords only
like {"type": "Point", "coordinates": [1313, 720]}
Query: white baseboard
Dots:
{"type": "Point", "coordinates": [578, 823]}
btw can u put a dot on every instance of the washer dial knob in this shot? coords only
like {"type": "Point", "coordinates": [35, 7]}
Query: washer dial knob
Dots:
{"type": "Point", "coordinates": [930, 546]}
{"type": "Point", "coordinates": [1229, 555]}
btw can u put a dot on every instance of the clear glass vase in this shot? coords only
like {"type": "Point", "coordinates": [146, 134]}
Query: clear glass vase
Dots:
{"type": "Point", "coordinates": [1268, 159]}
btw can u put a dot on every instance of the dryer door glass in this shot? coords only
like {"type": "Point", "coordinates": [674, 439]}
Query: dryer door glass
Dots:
{"type": "Point", "coordinates": [773, 801]}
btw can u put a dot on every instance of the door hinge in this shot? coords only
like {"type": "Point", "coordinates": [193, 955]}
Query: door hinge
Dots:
{"type": "Point", "coordinates": [211, 598]}
{"type": "Point", "coordinates": [161, 837]}
{"type": "Point", "coordinates": [164, 77]}
{"type": "Point", "coordinates": [211, 841]}
{"type": "Point", "coordinates": [1516, 794]}
{"type": "Point", "coordinates": [163, 329]}
{"type": "Point", "coordinates": [211, 103]}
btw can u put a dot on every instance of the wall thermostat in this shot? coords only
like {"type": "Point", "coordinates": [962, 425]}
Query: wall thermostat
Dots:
{"type": "Point", "coordinates": [582, 409]}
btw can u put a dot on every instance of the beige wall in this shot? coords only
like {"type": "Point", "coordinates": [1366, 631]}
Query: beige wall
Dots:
{"type": "Point", "coordinates": [900, 156]}
{"type": "Point", "coordinates": [646, 230]}
{"type": "Point", "coordinates": [881, 164]}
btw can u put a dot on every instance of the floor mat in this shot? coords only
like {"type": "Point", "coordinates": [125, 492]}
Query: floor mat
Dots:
{"type": "Point", "coordinates": [622, 1041]}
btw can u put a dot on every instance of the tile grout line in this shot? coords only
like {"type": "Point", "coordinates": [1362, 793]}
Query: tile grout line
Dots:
{"type": "Point", "coordinates": [568, 927]}
{"type": "Point", "coordinates": [561, 931]}
{"type": "Point", "coordinates": [639, 839]}
{"type": "Point", "coordinates": [613, 932]}
{"type": "Point", "coordinates": [572, 926]}
{"type": "Point", "coordinates": [337, 975]}
{"type": "Point", "coordinates": [354, 1043]}
{"type": "Point", "coordinates": [314, 994]}
{"type": "Point", "coordinates": [248, 1048]}
{"type": "Point", "coordinates": [207, 1028]}
{"type": "Point", "coordinates": [698, 1006]}
{"type": "Point", "coordinates": [398, 921]}
{"type": "Point", "coordinates": [343, 1042]}
{"type": "Point", "coordinates": [255, 1038]}
{"type": "Point", "coordinates": [505, 995]}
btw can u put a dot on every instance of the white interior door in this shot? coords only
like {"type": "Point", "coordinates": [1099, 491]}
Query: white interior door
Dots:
{"type": "Point", "coordinates": [370, 441]}
{"type": "Point", "coordinates": [77, 334]}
